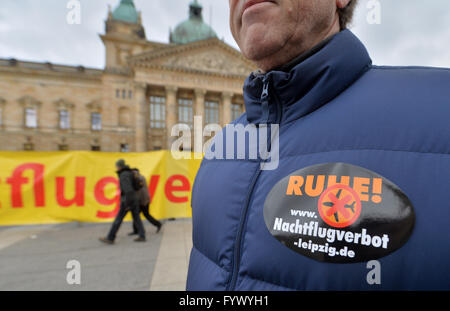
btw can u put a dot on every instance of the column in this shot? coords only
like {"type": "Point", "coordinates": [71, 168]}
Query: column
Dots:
{"type": "Point", "coordinates": [141, 117]}
{"type": "Point", "coordinates": [226, 110]}
{"type": "Point", "coordinates": [171, 113]}
{"type": "Point", "coordinates": [200, 102]}
{"type": "Point", "coordinates": [197, 138]}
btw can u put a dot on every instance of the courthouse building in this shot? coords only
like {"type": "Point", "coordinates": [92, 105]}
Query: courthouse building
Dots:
{"type": "Point", "coordinates": [132, 104]}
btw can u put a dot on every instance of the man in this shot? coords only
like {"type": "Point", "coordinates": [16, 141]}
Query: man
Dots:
{"type": "Point", "coordinates": [129, 201]}
{"type": "Point", "coordinates": [144, 203]}
{"type": "Point", "coordinates": [359, 199]}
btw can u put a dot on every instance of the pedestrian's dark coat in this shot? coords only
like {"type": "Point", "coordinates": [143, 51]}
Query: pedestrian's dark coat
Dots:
{"type": "Point", "coordinates": [128, 194]}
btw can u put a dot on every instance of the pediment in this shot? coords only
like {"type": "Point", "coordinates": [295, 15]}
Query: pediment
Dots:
{"type": "Point", "coordinates": [209, 56]}
{"type": "Point", "coordinates": [29, 101]}
{"type": "Point", "coordinates": [64, 103]}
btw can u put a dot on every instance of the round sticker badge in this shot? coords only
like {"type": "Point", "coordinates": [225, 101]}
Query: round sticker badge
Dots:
{"type": "Point", "coordinates": [339, 213]}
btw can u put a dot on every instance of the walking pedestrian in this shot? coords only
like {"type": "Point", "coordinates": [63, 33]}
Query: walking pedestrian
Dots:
{"type": "Point", "coordinates": [144, 203]}
{"type": "Point", "coordinates": [129, 201]}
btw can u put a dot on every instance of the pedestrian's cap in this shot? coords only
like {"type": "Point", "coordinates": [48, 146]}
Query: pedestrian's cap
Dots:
{"type": "Point", "coordinates": [120, 163]}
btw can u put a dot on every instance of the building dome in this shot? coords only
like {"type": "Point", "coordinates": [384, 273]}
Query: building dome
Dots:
{"type": "Point", "coordinates": [126, 12]}
{"type": "Point", "coordinates": [193, 29]}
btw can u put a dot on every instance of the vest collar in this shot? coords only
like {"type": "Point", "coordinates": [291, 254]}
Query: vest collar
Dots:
{"type": "Point", "coordinates": [278, 96]}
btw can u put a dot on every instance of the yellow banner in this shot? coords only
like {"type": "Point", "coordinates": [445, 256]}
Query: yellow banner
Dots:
{"type": "Point", "coordinates": [56, 187]}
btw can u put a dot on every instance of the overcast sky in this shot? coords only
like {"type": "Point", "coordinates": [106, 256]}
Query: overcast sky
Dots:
{"type": "Point", "coordinates": [411, 32]}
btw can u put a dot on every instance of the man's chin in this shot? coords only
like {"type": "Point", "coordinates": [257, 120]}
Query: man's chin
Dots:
{"type": "Point", "coordinates": [258, 48]}
{"type": "Point", "coordinates": [255, 53]}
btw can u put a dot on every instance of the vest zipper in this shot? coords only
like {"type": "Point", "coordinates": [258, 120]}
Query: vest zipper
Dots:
{"type": "Point", "coordinates": [265, 101]}
{"type": "Point", "coordinates": [243, 219]}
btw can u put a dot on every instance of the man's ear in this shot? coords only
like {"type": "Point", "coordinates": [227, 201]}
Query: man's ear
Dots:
{"type": "Point", "coordinates": [342, 3]}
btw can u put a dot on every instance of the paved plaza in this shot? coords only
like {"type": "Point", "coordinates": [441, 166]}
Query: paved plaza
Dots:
{"type": "Point", "coordinates": [36, 257]}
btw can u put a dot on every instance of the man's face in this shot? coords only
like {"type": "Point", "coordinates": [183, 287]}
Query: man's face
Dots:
{"type": "Point", "coordinates": [263, 28]}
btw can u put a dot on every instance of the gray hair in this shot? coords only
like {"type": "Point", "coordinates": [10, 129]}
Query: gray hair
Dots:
{"type": "Point", "coordinates": [346, 14]}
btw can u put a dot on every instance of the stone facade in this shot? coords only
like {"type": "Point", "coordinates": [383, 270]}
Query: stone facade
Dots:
{"type": "Point", "coordinates": [144, 90]}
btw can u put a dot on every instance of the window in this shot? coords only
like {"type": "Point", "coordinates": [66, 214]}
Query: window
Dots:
{"type": "Point", "coordinates": [28, 146]}
{"type": "Point", "coordinates": [236, 111]}
{"type": "Point", "coordinates": [157, 112]}
{"type": "Point", "coordinates": [64, 119]}
{"type": "Point", "coordinates": [124, 148]}
{"type": "Point", "coordinates": [211, 112]}
{"type": "Point", "coordinates": [31, 118]}
{"type": "Point", "coordinates": [157, 148]}
{"type": "Point", "coordinates": [185, 111]}
{"type": "Point", "coordinates": [96, 148]}
{"type": "Point", "coordinates": [63, 147]}
{"type": "Point", "coordinates": [124, 94]}
{"type": "Point", "coordinates": [96, 121]}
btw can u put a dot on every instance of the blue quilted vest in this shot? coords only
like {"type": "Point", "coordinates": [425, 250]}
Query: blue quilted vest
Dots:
{"type": "Point", "coordinates": [360, 197]}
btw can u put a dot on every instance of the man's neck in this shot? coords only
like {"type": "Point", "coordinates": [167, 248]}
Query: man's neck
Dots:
{"type": "Point", "coordinates": [286, 56]}
{"type": "Point", "coordinates": [287, 67]}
